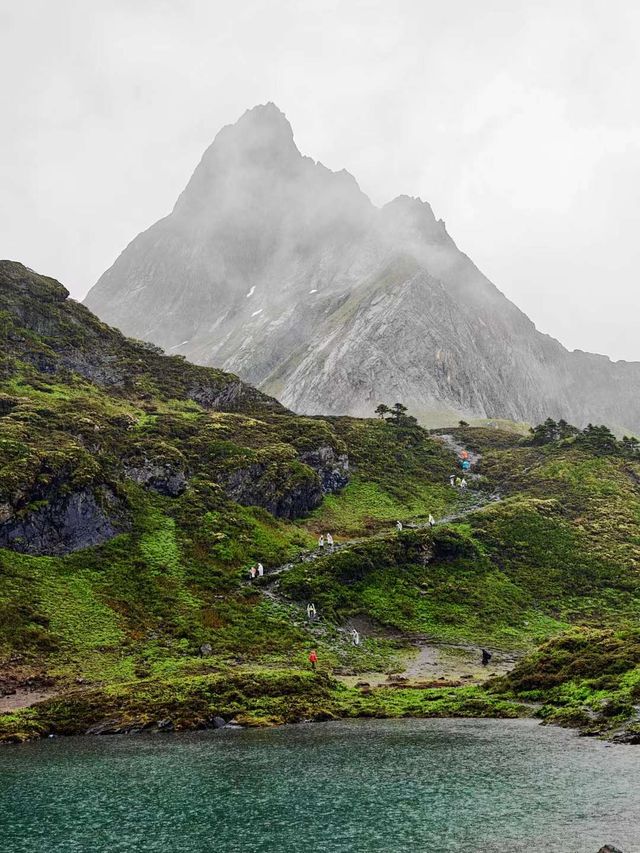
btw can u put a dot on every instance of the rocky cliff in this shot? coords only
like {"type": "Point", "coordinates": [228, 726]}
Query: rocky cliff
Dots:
{"type": "Point", "coordinates": [274, 267]}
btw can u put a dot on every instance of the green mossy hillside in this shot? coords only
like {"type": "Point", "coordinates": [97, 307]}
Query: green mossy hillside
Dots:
{"type": "Point", "coordinates": [188, 477]}
{"type": "Point", "coordinates": [587, 679]}
{"type": "Point", "coordinates": [397, 472]}
{"type": "Point", "coordinates": [195, 467]}
{"type": "Point", "coordinates": [248, 698]}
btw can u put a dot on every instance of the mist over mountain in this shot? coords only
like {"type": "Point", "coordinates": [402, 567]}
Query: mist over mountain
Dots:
{"type": "Point", "coordinates": [278, 269]}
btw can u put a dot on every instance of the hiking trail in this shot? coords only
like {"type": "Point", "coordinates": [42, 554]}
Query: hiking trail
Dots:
{"type": "Point", "coordinates": [434, 659]}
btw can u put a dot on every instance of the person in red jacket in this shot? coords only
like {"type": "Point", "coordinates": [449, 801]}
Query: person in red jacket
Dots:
{"type": "Point", "coordinates": [313, 659]}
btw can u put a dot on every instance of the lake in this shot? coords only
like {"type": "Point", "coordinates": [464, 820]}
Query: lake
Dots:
{"type": "Point", "coordinates": [342, 787]}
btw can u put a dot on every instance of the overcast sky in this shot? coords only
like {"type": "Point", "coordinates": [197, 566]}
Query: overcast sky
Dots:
{"type": "Point", "coordinates": [518, 121]}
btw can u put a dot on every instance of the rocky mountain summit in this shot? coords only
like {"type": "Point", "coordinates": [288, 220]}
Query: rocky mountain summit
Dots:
{"type": "Point", "coordinates": [282, 271]}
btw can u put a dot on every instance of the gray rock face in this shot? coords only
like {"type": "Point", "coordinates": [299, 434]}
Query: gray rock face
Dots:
{"type": "Point", "coordinates": [322, 471]}
{"type": "Point", "coordinates": [275, 268]}
{"type": "Point", "coordinates": [158, 477]}
{"type": "Point", "coordinates": [63, 524]}
{"type": "Point", "coordinates": [331, 467]}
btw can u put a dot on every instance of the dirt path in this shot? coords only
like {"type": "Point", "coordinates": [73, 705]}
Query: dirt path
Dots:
{"type": "Point", "coordinates": [434, 661]}
{"type": "Point", "coordinates": [454, 661]}
{"type": "Point", "coordinates": [23, 699]}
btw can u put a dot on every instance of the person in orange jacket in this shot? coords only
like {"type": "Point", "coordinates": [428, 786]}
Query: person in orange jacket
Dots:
{"type": "Point", "coordinates": [313, 659]}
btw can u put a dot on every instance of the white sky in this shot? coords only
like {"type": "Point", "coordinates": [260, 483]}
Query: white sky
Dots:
{"type": "Point", "coordinates": [518, 120]}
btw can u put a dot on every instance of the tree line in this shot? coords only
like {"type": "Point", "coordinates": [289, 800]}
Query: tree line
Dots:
{"type": "Point", "coordinates": [396, 414]}
{"type": "Point", "coordinates": [597, 438]}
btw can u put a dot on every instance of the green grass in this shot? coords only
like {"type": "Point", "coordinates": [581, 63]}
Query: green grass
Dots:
{"type": "Point", "coordinates": [585, 678]}
{"type": "Point", "coordinates": [365, 507]}
{"type": "Point", "coordinates": [561, 549]}
{"type": "Point", "coordinates": [252, 698]}
{"type": "Point", "coordinates": [398, 473]}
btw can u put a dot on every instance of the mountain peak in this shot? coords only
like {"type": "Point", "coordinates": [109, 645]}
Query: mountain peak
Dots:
{"type": "Point", "coordinates": [268, 112]}
{"type": "Point", "coordinates": [281, 270]}
{"type": "Point", "coordinates": [262, 132]}
{"type": "Point", "coordinates": [261, 139]}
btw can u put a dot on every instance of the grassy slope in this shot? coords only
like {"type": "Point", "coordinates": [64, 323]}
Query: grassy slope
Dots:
{"type": "Point", "coordinates": [561, 547]}
{"type": "Point", "coordinates": [397, 473]}
{"type": "Point", "coordinates": [128, 617]}
{"type": "Point", "coordinates": [587, 678]}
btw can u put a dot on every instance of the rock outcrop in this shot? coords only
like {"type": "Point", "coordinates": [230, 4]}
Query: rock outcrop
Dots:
{"type": "Point", "coordinates": [268, 485]}
{"type": "Point", "coordinates": [274, 267]}
{"type": "Point", "coordinates": [64, 523]}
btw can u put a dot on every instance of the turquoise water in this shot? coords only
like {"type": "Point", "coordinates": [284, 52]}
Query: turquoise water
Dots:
{"type": "Point", "coordinates": [348, 787]}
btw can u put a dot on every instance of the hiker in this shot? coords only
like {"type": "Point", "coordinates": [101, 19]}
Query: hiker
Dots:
{"type": "Point", "coordinates": [463, 484]}
{"type": "Point", "coordinates": [321, 542]}
{"type": "Point", "coordinates": [486, 657]}
{"type": "Point", "coordinates": [458, 482]}
{"type": "Point", "coordinates": [252, 573]}
{"type": "Point", "coordinates": [452, 480]}
{"type": "Point", "coordinates": [398, 526]}
{"type": "Point", "coordinates": [432, 521]}
{"type": "Point", "coordinates": [311, 611]}
{"type": "Point", "coordinates": [313, 659]}
{"type": "Point", "coordinates": [330, 541]}
{"type": "Point", "coordinates": [466, 465]}
{"type": "Point", "coordinates": [355, 636]}
{"type": "Point", "coordinates": [260, 570]}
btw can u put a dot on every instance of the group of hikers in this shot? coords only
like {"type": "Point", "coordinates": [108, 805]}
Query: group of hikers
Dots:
{"type": "Point", "coordinates": [256, 571]}
{"type": "Point", "coordinates": [458, 482]}
{"type": "Point", "coordinates": [325, 539]}
{"type": "Point", "coordinates": [465, 464]}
